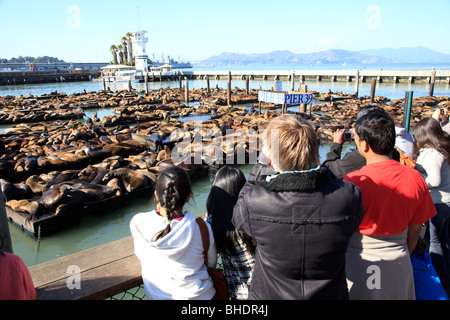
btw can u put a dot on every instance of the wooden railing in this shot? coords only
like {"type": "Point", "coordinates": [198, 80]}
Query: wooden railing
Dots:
{"type": "Point", "coordinates": [93, 274]}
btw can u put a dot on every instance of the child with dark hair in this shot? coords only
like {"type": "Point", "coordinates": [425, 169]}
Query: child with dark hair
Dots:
{"type": "Point", "coordinates": [236, 248]}
{"type": "Point", "coordinates": [396, 203]}
{"type": "Point", "coordinates": [169, 245]}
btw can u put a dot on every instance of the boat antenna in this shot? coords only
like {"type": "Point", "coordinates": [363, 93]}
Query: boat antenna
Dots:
{"type": "Point", "coordinates": [139, 22]}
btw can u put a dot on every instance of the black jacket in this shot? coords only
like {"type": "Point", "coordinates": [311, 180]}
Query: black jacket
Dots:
{"type": "Point", "coordinates": [302, 223]}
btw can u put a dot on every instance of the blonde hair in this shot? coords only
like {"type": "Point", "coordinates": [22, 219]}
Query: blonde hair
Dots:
{"type": "Point", "coordinates": [298, 148]}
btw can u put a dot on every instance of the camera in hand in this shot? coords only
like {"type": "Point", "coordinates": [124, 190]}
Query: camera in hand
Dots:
{"type": "Point", "coordinates": [348, 135]}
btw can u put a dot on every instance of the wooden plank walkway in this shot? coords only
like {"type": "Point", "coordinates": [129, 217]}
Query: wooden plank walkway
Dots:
{"type": "Point", "coordinates": [105, 270]}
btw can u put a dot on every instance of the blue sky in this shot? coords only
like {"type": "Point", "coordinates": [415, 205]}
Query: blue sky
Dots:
{"type": "Point", "coordinates": [83, 31]}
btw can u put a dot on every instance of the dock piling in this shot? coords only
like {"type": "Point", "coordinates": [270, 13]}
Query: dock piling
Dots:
{"type": "Point", "coordinates": [229, 88]}
{"type": "Point", "coordinates": [247, 84]}
{"type": "Point", "coordinates": [146, 85]}
{"type": "Point", "coordinates": [292, 81]}
{"type": "Point", "coordinates": [186, 91]}
{"type": "Point", "coordinates": [432, 80]}
{"type": "Point", "coordinates": [357, 84]}
{"type": "Point", "coordinates": [303, 89]}
{"type": "Point", "coordinates": [372, 90]}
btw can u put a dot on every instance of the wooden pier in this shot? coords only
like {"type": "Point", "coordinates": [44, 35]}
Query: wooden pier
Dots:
{"type": "Point", "coordinates": [393, 76]}
{"type": "Point", "coordinates": [93, 274]}
{"type": "Point", "coordinates": [33, 77]}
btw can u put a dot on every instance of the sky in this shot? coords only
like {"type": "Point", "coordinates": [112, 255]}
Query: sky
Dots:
{"type": "Point", "coordinates": [193, 30]}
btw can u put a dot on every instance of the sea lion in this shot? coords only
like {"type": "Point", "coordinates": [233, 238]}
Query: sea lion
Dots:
{"type": "Point", "coordinates": [31, 207]}
{"type": "Point", "coordinates": [132, 179]}
{"type": "Point", "coordinates": [36, 184]}
{"type": "Point", "coordinates": [15, 191]}
{"type": "Point", "coordinates": [118, 186]}
{"type": "Point", "coordinates": [74, 199]}
{"type": "Point", "coordinates": [55, 195]}
{"type": "Point", "coordinates": [93, 174]}
{"type": "Point", "coordinates": [93, 191]}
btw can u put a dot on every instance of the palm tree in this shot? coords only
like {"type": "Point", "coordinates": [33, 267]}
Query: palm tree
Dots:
{"type": "Point", "coordinates": [120, 50]}
{"type": "Point", "coordinates": [129, 35]}
{"type": "Point", "coordinates": [125, 49]}
{"type": "Point", "coordinates": [113, 50]}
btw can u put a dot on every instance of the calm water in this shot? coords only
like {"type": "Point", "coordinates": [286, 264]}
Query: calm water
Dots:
{"type": "Point", "coordinates": [95, 230]}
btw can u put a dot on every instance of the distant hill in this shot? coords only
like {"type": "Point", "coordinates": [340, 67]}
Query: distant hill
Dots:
{"type": "Point", "coordinates": [287, 57]}
{"type": "Point", "coordinates": [415, 54]}
{"type": "Point", "coordinates": [387, 55]}
{"type": "Point", "coordinates": [20, 59]}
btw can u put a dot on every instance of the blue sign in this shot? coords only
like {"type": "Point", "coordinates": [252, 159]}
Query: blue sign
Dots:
{"type": "Point", "coordinates": [285, 98]}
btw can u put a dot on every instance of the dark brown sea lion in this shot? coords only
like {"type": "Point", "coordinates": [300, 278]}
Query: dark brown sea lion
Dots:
{"type": "Point", "coordinates": [74, 199]}
{"type": "Point", "coordinates": [93, 191]}
{"type": "Point", "coordinates": [54, 196]}
{"type": "Point", "coordinates": [16, 191]}
{"type": "Point", "coordinates": [132, 179]}
{"type": "Point", "coordinates": [36, 184]}
{"type": "Point", "coordinates": [118, 186]}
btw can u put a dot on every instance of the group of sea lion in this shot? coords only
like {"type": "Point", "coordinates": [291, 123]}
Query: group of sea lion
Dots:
{"type": "Point", "coordinates": [65, 165]}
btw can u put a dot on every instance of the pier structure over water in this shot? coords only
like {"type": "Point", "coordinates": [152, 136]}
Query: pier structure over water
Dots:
{"type": "Point", "coordinates": [394, 76]}
{"type": "Point", "coordinates": [34, 77]}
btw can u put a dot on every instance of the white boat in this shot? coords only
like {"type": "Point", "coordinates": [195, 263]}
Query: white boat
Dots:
{"type": "Point", "coordinates": [121, 73]}
{"type": "Point", "coordinates": [164, 70]}
{"type": "Point", "coordinates": [128, 75]}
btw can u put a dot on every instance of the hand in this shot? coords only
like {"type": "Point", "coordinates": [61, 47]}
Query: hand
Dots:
{"type": "Point", "coordinates": [338, 136]}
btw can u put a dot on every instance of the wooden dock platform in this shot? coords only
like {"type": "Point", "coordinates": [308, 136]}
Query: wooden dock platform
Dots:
{"type": "Point", "coordinates": [104, 271]}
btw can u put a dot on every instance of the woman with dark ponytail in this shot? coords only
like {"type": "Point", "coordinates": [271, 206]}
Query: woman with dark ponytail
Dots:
{"type": "Point", "coordinates": [432, 155]}
{"type": "Point", "coordinates": [236, 248]}
{"type": "Point", "coordinates": [169, 245]}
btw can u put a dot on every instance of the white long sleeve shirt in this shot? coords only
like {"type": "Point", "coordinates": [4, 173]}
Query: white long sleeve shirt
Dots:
{"type": "Point", "coordinates": [436, 172]}
{"type": "Point", "coordinates": [173, 267]}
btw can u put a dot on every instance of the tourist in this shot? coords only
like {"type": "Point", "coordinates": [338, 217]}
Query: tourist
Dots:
{"type": "Point", "coordinates": [396, 203]}
{"type": "Point", "coordinates": [236, 248]}
{"type": "Point", "coordinates": [352, 160]}
{"type": "Point", "coordinates": [15, 279]}
{"type": "Point", "coordinates": [432, 154]}
{"type": "Point", "coordinates": [300, 218]}
{"type": "Point", "coordinates": [169, 244]}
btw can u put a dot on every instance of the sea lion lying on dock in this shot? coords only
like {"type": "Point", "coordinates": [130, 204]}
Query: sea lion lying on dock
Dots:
{"type": "Point", "coordinates": [15, 191]}
{"type": "Point", "coordinates": [132, 179]}
{"type": "Point", "coordinates": [31, 207]}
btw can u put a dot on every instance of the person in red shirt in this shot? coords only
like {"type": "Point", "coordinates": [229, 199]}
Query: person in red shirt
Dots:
{"type": "Point", "coordinates": [396, 204]}
{"type": "Point", "coordinates": [15, 279]}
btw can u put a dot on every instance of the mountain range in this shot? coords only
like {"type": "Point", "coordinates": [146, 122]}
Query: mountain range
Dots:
{"type": "Point", "coordinates": [334, 56]}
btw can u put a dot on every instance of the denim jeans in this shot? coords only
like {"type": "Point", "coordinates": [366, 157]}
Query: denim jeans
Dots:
{"type": "Point", "coordinates": [438, 242]}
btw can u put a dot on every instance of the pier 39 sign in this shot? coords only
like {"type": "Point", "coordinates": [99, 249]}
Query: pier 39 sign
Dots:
{"type": "Point", "coordinates": [285, 98]}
